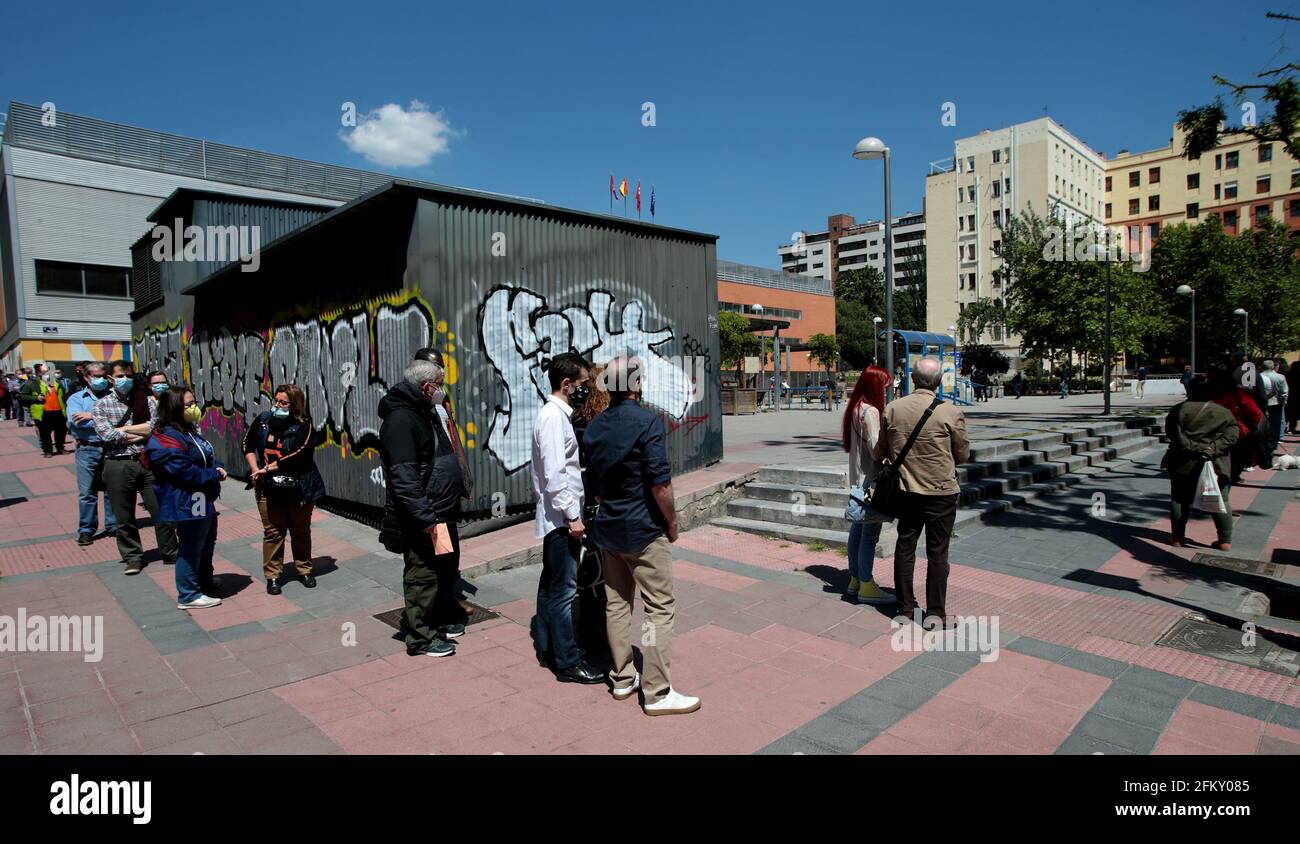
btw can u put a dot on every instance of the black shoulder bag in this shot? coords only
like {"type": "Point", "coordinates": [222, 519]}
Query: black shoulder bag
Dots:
{"type": "Point", "coordinates": [886, 497]}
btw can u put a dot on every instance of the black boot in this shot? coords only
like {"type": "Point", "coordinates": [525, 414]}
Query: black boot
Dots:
{"type": "Point", "coordinates": [273, 586]}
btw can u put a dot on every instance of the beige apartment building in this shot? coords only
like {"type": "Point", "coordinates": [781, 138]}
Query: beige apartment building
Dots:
{"type": "Point", "coordinates": [991, 177]}
{"type": "Point", "coordinates": [1242, 181]}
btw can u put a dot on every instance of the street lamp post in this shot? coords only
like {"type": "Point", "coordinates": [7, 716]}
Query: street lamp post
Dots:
{"type": "Point", "coordinates": [1245, 337]}
{"type": "Point", "coordinates": [1186, 290]}
{"type": "Point", "coordinates": [1105, 408]}
{"type": "Point", "coordinates": [875, 341]}
{"type": "Point", "coordinates": [867, 149]}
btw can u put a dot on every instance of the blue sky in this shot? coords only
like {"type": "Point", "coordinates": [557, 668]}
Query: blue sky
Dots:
{"type": "Point", "coordinates": [758, 104]}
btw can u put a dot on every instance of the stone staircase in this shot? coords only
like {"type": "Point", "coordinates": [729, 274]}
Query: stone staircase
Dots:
{"type": "Point", "coordinates": [806, 504]}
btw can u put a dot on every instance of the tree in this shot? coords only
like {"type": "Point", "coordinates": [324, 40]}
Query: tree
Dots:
{"type": "Point", "coordinates": [910, 292]}
{"type": "Point", "coordinates": [864, 285]}
{"type": "Point", "coordinates": [735, 340]}
{"type": "Point", "coordinates": [980, 316]}
{"type": "Point", "coordinates": [986, 357]}
{"type": "Point", "coordinates": [1203, 124]}
{"type": "Point", "coordinates": [825, 349]}
{"type": "Point", "coordinates": [854, 330]}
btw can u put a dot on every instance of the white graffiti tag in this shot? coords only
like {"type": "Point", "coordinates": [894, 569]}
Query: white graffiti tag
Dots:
{"type": "Point", "coordinates": [520, 333]}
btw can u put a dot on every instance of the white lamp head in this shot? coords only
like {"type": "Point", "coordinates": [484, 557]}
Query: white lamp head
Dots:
{"type": "Point", "coordinates": [1240, 312]}
{"type": "Point", "coordinates": [1185, 290]}
{"type": "Point", "coordinates": [877, 320]}
{"type": "Point", "coordinates": [869, 148]}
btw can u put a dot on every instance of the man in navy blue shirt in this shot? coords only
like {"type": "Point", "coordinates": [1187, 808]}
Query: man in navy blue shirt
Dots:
{"type": "Point", "coordinates": [636, 521]}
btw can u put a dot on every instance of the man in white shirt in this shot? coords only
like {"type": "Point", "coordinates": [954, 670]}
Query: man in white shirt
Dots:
{"type": "Point", "coordinates": [557, 485]}
{"type": "Point", "coordinates": [1275, 394]}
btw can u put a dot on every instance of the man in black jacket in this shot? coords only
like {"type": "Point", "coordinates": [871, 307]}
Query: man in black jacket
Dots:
{"type": "Point", "coordinates": [423, 480]}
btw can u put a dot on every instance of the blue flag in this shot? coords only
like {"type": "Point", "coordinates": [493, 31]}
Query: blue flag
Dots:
{"type": "Point", "coordinates": [652, 200]}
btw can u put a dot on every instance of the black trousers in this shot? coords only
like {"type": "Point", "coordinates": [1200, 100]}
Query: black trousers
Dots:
{"type": "Point", "coordinates": [430, 582]}
{"type": "Point", "coordinates": [53, 431]}
{"type": "Point", "coordinates": [936, 515]}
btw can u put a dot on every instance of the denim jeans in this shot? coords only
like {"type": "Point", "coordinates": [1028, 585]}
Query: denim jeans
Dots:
{"type": "Point", "coordinates": [197, 539]}
{"type": "Point", "coordinates": [1276, 424]}
{"type": "Point", "coordinates": [90, 459]}
{"type": "Point", "coordinates": [863, 537]}
{"type": "Point", "coordinates": [557, 588]}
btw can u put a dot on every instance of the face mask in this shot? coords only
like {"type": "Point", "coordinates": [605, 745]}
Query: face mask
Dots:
{"type": "Point", "coordinates": [193, 414]}
{"type": "Point", "coordinates": [579, 396]}
{"type": "Point", "coordinates": [159, 389]}
{"type": "Point", "coordinates": [49, 378]}
{"type": "Point", "coordinates": [123, 385]}
{"type": "Point", "coordinates": [98, 385]}
{"type": "Point", "coordinates": [280, 412]}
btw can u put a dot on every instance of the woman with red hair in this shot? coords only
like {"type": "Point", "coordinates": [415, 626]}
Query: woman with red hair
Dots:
{"type": "Point", "coordinates": [860, 431]}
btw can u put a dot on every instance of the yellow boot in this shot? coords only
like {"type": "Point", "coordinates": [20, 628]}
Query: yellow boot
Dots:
{"type": "Point", "coordinates": [870, 593]}
{"type": "Point", "coordinates": [854, 585]}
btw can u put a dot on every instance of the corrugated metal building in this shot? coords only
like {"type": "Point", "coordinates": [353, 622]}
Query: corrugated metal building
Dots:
{"type": "Point", "coordinates": [76, 194]}
{"type": "Point", "coordinates": [498, 284]}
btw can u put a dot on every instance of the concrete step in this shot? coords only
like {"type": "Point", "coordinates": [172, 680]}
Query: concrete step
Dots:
{"type": "Point", "coordinates": [787, 513]}
{"type": "Point", "coordinates": [805, 535]}
{"type": "Point", "coordinates": [823, 496]}
{"type": "Point", "coordinates": [803, 475]}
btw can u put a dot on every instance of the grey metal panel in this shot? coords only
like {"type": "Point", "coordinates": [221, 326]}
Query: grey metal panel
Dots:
{"type": "Point", "coordinates": [357, 294]}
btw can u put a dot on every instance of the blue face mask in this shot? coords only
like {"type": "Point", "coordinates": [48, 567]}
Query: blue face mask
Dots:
{"type": "Point", "coordinates": [123, 385]}
{"type": "Point", "coordinates": [98, 385]}
{"type": "Point", "coordinates": [159, 389]}
{"type": "Point", "coordinates": [280, 412]}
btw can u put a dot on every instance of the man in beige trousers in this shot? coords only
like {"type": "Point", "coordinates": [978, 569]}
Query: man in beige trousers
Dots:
{"type": "Point", "coordinates": [928, 482]}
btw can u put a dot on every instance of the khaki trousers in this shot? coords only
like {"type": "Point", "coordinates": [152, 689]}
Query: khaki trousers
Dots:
{"type": "Point", "coordinates": [651, 572]}
{"type": "Point", "coordinates": [281, 516]}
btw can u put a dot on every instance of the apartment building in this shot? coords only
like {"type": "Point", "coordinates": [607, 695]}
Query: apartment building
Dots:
{"type": "Point", "coordinates": [806, 302]}
{"type": "Point", "coordinates": [992, 177]}
{"type": "Point", "coordinates": [846, 245]}
{"type": "Point", "coordinates": [1242, 181]}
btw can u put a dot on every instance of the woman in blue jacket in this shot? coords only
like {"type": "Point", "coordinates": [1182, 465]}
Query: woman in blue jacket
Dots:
{"type": "Point", "coordinates": [187, 481]}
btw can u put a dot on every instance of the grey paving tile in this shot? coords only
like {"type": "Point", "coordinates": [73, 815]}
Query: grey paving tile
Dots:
{"type": "Point", "coordinates": [838, 734]}
{"type": "Point", "coordinates": [794, 745]}
{"type": "Point", "coordinates": [1286, 716]}
{"type": "Point", "coordinates": [1079, 745]}
{"type": "Point", "coordinates": [1094, 664]}
{"type": "Point", "coordinates": [1038, 648]}
{"type": "Point", "coordinates": [1158, 681]}
{"type": "Point", "coordinates": [931, 679]}
{"type": "Point", "coordinates": [907, 695]}
{"type": "Point", "coordinates": [1144, 707]}
{"type": "Point", "coordinates": [1242, 704]}
{"type": "Point", "coordinates": [870, 712]}
{"type": "Point", "coordinates": [1122, 734]}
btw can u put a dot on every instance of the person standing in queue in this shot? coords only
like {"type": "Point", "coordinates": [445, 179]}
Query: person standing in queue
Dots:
{"type": "Point", "coordinates": [422, 502]}
{"type": "Point", "coordinates": [90, 454]}
{"type": "Point", "coordinates": [279, 447]}
{"type": "Point", "coordinates": [187, 483]}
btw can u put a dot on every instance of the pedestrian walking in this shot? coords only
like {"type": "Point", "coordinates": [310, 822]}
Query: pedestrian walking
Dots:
{"type": "Point", "coordinates": [636, 522]}
{"type": "Point", "coordinates": [1239, 402]}
{"type": "Point", "coordinates": [1140, 385]}
{"type": "Point", "coordinates": [859, 433]}
{"type": "Point", "coordinates": [46, 401]}
{"type": "Point", "coordinates": [124, 420]}
{"type": "Point", "coordinates": [557, 486]}
{"type": "Point", "coordinates": [187, 483]}
{"type": "Point", "coordinates": [12, 386]}
{"type": "Point", "coordinates": [90, 454]}
{"type": "Point", "coordinates": [1200, 432]}
{"type": "Point", "coordinates": [422, 502]}
{"type": "Point", "coordinates": [1018, 382]}
{"type": "Point", "coordinates": [928, 483]}
{"type": "Point", "coordinates": [1065, 381]}
{"type": "Point", "coordinates": [977, 383]}
{"type": "Point", "coordinates": [279, 448]}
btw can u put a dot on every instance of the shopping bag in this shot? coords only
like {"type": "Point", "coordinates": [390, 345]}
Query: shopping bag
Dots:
{"type": "Point", "coordinates": [1210, 499]}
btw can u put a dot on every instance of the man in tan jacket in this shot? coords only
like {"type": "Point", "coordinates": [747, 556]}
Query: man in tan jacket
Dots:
{"type": "Point", "coordinates": [928, 481]}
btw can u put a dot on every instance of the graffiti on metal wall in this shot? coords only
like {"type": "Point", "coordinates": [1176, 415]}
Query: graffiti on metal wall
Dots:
{"type": "Point", "coordinates": [343, 363]}
{"type": "Point", "coordinates": [519, 332]}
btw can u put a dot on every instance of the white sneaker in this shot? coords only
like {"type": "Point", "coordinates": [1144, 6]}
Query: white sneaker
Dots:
{"type": "Point", "coordinates": [1247, 468]}
{"type": "Point", "coordinates": [625, 692]}
{"type": "Point", "coordinates": [674, 703]}
{"type": "Point", "coordinates": [200, 603]}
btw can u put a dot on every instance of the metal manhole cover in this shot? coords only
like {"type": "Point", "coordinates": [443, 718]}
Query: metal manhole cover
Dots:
{"type": "Point", "coordinates": [393, 618]}
{"type": "Point", "coordinates": [1214, 640]}
{"type": "Point", "coordinates": [1241, 564]}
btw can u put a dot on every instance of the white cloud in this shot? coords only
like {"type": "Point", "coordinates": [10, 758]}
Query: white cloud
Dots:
{"type": "Point", "coordinates": [392, 136]}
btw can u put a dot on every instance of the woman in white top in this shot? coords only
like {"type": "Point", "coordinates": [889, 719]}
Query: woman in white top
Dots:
{"type": "Point", "coordinates": [861, 430]}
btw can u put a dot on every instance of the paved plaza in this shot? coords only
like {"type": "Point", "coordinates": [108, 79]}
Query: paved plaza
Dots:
{"type": "Point", "coordinates": [782, 663]}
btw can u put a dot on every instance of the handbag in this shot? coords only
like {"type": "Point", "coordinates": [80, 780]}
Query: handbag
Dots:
{"type": "Point", "coordinates": [886, 496]}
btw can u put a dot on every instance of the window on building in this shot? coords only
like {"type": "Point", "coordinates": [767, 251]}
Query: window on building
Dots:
{"type": "Point", "coordinates": [1295, 178]}
{"type": "Point", "coordinates": [1262, 212]}
{"type": "Point", "coordinates": [1230, 190]}
{"type": "Point", "coordinates": [817, 266]}
{"type": "Point", "coordinates": [1153, 202]}
{"type": "Point", "coordinates": [1230, 160]}
{"type": "Point", "coordinates": [61, 278]}
{"type": "Point", "coordinates": [997, 156]}
{"type": "Point", "coordinates": [1006, 184]}
{"type": "Point", "coordinates": [1262, 185]}
{"type": "Point", "coordinates": [1265, 152]}
{"type": "Point", "coordinates": [970, 164]}
{"type": "Point", "coordinates": [1108, 183]}
{"type": "Point", "coordinates": [1153, 229]}
{"type": "Point", "coordinates": [1108, 210]}
{"type": "Point", "coordinates": [1295, 208]}
{"type": "Point", "coordinates": [1193, 181]}
{"type": "Point", "coordinates": [997, 188]}
{"type": "Point", "coordinates": [961, 224]}
{"type": "Point", "coordinates": [1134, 206]}
{"type": "Point", "coordinates": [970, 194]}
{"type": "Point", "coordinates": [1135, 179]}
{"type": "Point", "coordinates": [1229, 219]}
{"type": "Point", "coordinates": [997, 219]}
{"type": "Point", "coordinates": [1218, 191]}
{"type": "Point", "coordinates": [1193, 210]}
{"type": "Point", "coordinates": [997, 247]}
{"type": "Point", "coordinates": [1153, 176]}
{"type": "Point", "coordinates": [970, 222]}
{"type": "Point", "coordinates": [1218, 162]}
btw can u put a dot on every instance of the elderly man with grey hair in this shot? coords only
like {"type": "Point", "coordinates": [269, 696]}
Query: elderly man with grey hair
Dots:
{"type": "Point", "coordinates": [1272, 394]}
{"type": "Point", "coordinates": [928, 482]}
{"type": "Point", "coordinates": [423, 489]}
